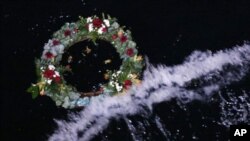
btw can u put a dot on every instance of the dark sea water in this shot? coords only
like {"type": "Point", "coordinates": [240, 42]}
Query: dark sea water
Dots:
{"type": "Point", "coordinates": [166, 32]}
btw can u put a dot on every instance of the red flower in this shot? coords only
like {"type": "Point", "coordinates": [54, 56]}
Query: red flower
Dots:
{"type": "Point", "coordinates": [67, 32]}
{"type": "Point", "coordinates": [57, 79]}
{"type": "Point", "coordinates": [130, 52]}
{"type": "Point", "coordinates": [48, 73]}
{"type": "Point", "coordinates": [104, 29]}
{"type": "Point", "coordinates": [49, 55]}
{"type": "Point", "coordinates": [55, 42]}
{"type": "Point", "coordinates": [127, 84]}
{"type": "Point", "coordinates": [97, 22]}
{"type": "Point", "coordinates": [114, 36]}
{"type": "Point", "coordinates": [123, 39]}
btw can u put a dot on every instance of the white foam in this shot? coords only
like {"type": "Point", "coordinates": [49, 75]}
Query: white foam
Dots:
{"type": "Point", "coordinates": [160, 84]}
{"type": "Point", "coordinates": [235, 109]}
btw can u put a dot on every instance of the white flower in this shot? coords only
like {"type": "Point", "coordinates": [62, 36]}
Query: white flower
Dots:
{"type": "Point", "coordinates": [57, 73]}
{"type": "Point", "coordinates": [48, 81]}
{"type": "Point", "coordinates": [91, 27]}
{"type": "Point", "coordinates": [89, 19]}
{"type": "Point", "coordinates": [100, 30]}
{"type": "Point", "coordinates": [106, 22]}
{"type": "Point", "coordinates": [115, 25]}
{"type": "Point", "coordinates": [111, 83]}
{"type": "Point", "coordinates": [118, 87]}
{"type": "Point", "coordinates": [59, 49]}
{"type": "Point", "coordinates": [50, 42]}
{"type": "Point", "coordinates": [53, 51]}
{"type": "Point", "coordinates": [114, 75]}
{"type": "Point", "coordinates": [51, 67]}
{"type": "Point", "coordinates": [131, 44]}
{"type": "Point", "coordinates": [48, 45]}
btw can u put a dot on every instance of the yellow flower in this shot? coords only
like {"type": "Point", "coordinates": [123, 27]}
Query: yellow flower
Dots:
{"type": "Point", "coordinates": [106, 76]}
{"type": "Point", "coordinates": [42, 92]}
{"type": "Point", "coordinates": [132, 76]}
{"type": "Point", "coordinates": [87, 50]}
{"type": "Point", "coordinates": [120, 33]}
{"type": "Point", "coordinates": [62, 87]}
{"type": "Point", "coordinates": [107, 61]}
{"type": "Point", "coordinates": [40, 85]}
{"type": "Point", "coordinates": [138, 58]}
{"type": "Point", "coordinates": [136, 81]}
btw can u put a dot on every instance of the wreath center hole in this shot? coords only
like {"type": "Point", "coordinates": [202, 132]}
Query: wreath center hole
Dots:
{"type": "Point", "coordinates": [88, 63]}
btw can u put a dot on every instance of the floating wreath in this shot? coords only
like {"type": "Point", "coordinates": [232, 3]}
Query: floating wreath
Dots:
{"type": "Point", "coordinates": [50, 73]}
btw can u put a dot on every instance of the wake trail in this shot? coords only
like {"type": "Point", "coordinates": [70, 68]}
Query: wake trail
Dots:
{"type": "Point", "coordinates": [200, 76]}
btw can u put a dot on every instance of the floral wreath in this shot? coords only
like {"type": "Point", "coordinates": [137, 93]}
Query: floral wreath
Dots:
{"type": "Point", "coordinates": [49, 71]}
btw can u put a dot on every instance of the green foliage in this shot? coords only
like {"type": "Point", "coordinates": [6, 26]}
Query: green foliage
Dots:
{"type": "Point", "coordinates": [34, 90]}
{"type": "Point", "coordinates": [38, 70]}
{"type": "Point", "coordinates": [61, 91]}
{"type": "Point", "coordinates": [82, 26]}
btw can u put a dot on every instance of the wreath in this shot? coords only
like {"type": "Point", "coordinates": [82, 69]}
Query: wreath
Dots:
{"type": "Point", "coordinates": [50, 72]}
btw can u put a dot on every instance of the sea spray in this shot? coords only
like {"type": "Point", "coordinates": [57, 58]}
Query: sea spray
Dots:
{"type": "Point", "coordinates": [209, 71]}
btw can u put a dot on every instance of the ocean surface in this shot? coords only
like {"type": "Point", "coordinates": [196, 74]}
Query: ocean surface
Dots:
{"type": "Point", "coordinates": [195, 84]}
